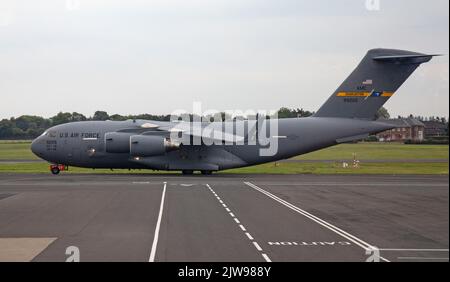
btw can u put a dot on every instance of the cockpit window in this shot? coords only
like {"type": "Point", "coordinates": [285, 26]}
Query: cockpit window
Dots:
{"type": "Point", "coordinates": [51, 134]}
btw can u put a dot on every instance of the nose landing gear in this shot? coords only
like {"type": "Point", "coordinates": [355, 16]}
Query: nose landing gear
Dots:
{"type": "Point", "coordinates": [55, 169]}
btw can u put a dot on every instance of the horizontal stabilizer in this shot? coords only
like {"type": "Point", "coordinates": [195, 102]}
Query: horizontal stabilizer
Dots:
{"type": "Point", "coordinates": [406, 59]}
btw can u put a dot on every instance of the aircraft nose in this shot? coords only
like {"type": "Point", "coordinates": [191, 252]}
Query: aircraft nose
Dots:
{"type": "Point", "coordinates": [37, 147]}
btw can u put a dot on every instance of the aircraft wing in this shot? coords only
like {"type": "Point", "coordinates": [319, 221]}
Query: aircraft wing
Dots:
{"type": "Point", "coordinates": [200, 130]}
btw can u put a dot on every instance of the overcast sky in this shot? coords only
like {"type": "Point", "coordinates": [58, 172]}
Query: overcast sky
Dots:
{"type": "Point", "coordinates": [132, 57]}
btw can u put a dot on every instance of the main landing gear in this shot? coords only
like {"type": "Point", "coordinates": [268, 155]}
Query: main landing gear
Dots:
{"type": "Point", "coordinates": [191, 172]}
{"type": "Point", "coordinates": [55, 169]}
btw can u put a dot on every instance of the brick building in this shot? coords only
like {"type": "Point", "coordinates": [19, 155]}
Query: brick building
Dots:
{"type": "Point", "coordinates": [435, 129]}
{"type": "Point", "coordinates": [406, 129]}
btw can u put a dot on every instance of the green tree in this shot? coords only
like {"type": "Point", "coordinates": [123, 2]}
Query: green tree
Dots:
{"type": "Point", "coordinates": [100, 115]}
{"type": "Point", "coordinates": [383, 113]}
{"type": "Point", "coordinates": [77, 117]}
{"type": "Point", "coordinates": [61, 118]}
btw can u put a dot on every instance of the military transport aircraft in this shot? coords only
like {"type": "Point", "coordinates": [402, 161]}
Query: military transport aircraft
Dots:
{"type": "Point", "coordinates": [348, 115]}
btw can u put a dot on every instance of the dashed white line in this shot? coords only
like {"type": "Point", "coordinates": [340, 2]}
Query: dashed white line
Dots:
{"type": "Point", "coordinates": [249, 236]}
{"type": "Point", "coordinates": [353, 239]}
{"type": "Point", "coordinates": [266, 257]}
{"type": "Point", "coordinates": [257, 246]}
{"type": "Point", "coordinates": [158, 224]}
{"type": "Point", "coordinates": [242, 227]}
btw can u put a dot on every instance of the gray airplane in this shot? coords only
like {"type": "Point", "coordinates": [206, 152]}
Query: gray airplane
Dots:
{"type": "Point", "coordinates": [348, 115]}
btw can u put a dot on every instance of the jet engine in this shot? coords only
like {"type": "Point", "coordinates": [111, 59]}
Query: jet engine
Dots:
{"type": "Point", "coordinates": [117, 142]}
{"type": "Point", "coordinates": [149, 145]}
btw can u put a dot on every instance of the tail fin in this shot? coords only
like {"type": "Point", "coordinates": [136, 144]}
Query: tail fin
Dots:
{"type": "Point", "coordinates": [372, 83]}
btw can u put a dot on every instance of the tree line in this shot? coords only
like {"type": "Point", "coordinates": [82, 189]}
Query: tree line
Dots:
{"type": "Point", "coordinates": [29, 127]}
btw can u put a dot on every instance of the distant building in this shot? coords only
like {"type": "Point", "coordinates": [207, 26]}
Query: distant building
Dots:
{"type": "Point", "coordinates": [405, 129]}
{"type": "Point", "coordinates": [435, 129]}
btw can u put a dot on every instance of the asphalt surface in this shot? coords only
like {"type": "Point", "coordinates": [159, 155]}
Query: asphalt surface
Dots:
{"type": "Point", "coordinates": [225, 217]}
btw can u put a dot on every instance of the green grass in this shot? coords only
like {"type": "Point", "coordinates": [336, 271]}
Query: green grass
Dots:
{"type": "Point", "coordinates": [379, 151]}
{"type": "Point", "coordinates": [279, 168]}
{"type": "Point", "coordinates": [336, 168]}
{"type": "Point", "coordinates": [15, 141]}
{"type": "Point", "coordinates": [20, 150]}
{"type": "Point", "coordinates": [16, 150]}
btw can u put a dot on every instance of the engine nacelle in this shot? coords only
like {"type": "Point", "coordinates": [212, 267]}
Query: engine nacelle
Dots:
{"type": "Point", "coordinates": [117, 142]}
{"type": "Point", "coordinates": [148, 145]}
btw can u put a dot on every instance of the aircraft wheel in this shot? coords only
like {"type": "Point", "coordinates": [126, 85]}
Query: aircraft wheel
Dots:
{"type": "Point", "coordinates": [188, 172]}
{"type": "Point", "coordinates": [55, 170]}
{"type": "Point", "coordinates": [206, 172]}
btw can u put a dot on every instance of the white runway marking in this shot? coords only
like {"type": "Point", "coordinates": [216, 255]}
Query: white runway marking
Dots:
{"type": "Point", "coordinates": [329, 226]}
{"type": "Point", "coordinates": [249, 236]}
{"type": "Point", "coordinates": [266, 258]}
{"type": "Point", "coordinates": [242, 227]}
{"type": "Point", "coordinates": [158, 224]}
{"type": "Point", "coordinates": [388, 184]}
{"type": "Point", "coordinates": [421, 258]}
{"type": "Point", "coordinates": [414, 250]}
{"type": "Point", "coordinates": [257, 246]}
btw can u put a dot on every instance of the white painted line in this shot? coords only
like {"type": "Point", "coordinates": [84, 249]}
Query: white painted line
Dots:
{"type": "Point", "coordinates": [158, 224]}
{"type": "Point", "coordinates": [266, 258]}
{"type": "Point", "coordinates": [257, 246]}
{"type": "Point", "coordinates": [358, 184]}
{"type": "Point", "coordinates": [414, 250]}
{"type": "Point", "coordinates": [314, 218]}
{"type": "Point", "coordinates": [421, 258]}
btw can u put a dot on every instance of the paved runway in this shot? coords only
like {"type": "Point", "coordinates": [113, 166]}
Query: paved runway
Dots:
{"type": "Point", "coordinates": [224, 217]}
